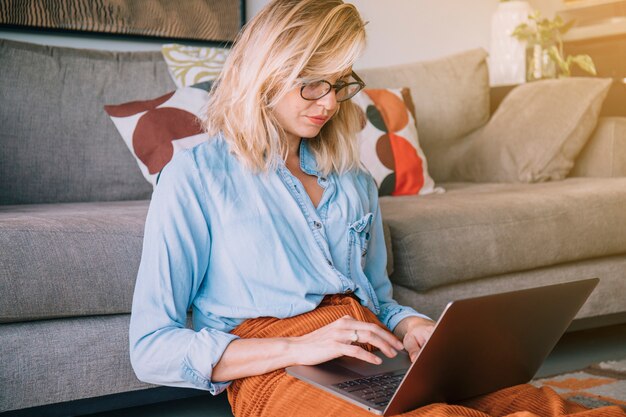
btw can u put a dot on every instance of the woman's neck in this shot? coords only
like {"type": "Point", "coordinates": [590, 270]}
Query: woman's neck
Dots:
{"type": "Point", "coordinates": [293, 146]}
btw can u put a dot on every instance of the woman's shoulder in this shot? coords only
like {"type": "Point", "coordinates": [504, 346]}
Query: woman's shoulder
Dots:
{"type": "Point", "coordinates": [360, 176]}
{"type": "Point", "coordinates": [211, 151]}
{"type": "Point", "coordinates": [360, 182]}
{"type": "Point", "coordinates": [212, 148]}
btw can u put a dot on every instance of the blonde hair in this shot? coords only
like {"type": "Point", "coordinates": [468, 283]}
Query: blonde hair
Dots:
{"type": "Point", "coordinates": [286, 41]}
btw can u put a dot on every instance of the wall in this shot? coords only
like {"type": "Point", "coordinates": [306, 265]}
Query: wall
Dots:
{"type": "Point", "coordinates": [415, 30]}
{"type": "Point", "coordinates": [403, 31]}
{"type": "Point", "coordinates": [399, 31]}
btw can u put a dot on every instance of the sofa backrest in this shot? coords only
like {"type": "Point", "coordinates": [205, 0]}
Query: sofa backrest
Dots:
{"type": "Point", "coordinates": [56, 142]}
{"type": "Point", "coordinates": [451, 99]}
{"type": "Point", "coordinates": [58, 145]}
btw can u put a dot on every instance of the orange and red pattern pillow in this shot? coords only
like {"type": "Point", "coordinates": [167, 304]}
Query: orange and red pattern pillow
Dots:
{"type": "Point", "coordinates": [389, 144]}
{"type": "Point", "coordinates": [155, 129]}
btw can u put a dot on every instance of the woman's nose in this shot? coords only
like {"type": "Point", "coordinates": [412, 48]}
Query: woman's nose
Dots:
{"type": "Point", "coordinates": [329, 101]}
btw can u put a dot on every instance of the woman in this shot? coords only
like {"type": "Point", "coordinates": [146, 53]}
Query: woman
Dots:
{"type": "Point", "coordinates": [270, 232]}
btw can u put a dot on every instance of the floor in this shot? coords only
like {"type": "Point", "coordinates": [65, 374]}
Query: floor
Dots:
{"type": "Point", "coordinates": [576, 350]}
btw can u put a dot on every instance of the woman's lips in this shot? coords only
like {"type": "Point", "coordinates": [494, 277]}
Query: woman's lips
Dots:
{"type": "Point", "coordinates": [318, 120]}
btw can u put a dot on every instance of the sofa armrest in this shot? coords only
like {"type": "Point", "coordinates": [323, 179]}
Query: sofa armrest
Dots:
{"type": "Point", "coordinates": [604, 155]}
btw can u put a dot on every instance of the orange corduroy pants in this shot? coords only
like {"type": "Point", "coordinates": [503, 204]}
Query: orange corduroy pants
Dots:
{"type": "Point", "coordinates": [277, 394]}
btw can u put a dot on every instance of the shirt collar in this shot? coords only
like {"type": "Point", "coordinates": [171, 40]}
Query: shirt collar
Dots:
{"type": "Point", "coordinates": [308, 163]}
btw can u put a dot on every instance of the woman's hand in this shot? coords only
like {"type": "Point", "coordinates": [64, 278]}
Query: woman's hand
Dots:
{"type": "Point", "coordinates": [414, 332]}
{"type": "Point", "coordinates": [335, 340]}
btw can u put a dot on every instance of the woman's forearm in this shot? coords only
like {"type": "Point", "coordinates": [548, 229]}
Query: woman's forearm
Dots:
{"type": "Point", "coordinates": [248, 357]}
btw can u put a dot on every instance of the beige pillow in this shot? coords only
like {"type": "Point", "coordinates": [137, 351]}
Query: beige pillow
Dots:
{"type": "Point", "coordinates": [536, 133]}
{"type": "Point", "coordinates": [604, 155]}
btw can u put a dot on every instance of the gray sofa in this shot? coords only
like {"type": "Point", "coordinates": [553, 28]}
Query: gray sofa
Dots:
{"type": "Point", "coordinates": [73, 203]}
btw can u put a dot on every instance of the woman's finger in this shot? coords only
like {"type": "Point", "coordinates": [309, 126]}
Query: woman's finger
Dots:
{"type": "Point", "coordinates": [367, 336]}
{"type": "Point", "coordinates": [360, 353]}
{"type": "Point", "coordinates": [383, 334]}
{"type": "Point", "coordinates": [412, 346]}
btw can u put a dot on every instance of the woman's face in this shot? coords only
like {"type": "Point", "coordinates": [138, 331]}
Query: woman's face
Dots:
{"type": "Point", "coordinates": [302, 118]}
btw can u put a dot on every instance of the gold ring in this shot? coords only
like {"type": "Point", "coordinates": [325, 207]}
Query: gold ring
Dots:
{"type": "Point", "coordinates": [355, 337]}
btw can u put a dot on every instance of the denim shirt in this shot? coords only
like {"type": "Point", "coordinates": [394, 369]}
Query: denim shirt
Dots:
{"type": "Point", "coordinates": [232, 245]}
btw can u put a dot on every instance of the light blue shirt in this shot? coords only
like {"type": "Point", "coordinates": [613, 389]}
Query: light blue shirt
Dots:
{"type": "Point", "coordinates": [232, 245]}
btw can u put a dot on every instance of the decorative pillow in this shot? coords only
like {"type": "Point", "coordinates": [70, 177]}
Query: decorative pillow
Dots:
{"type": "Point", "coordinates": [190, 65]}
{"type": "Point", "coordinates": [155, 129]}
{"type": "Point", "coordinates": [388, 143]}
{"type": "Point", "coordinates": [536, 133]}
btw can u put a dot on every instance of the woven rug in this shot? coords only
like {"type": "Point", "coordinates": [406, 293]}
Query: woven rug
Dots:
{"type": "Point", "coordinates": [598, 385]}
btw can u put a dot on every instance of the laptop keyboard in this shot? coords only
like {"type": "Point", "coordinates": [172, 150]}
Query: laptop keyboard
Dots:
{"type": "Point", "coordinates": [376, 389]}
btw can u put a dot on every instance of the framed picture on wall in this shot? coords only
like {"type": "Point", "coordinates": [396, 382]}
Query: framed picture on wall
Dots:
{"type": "Point", "coordinates": [195, 20]}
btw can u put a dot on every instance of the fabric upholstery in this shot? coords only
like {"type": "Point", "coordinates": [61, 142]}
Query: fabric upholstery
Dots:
{"type": "Point", "coordinates": [387, 234]}
{"type": "Point", "coordinates": [536, 133]}
{"type": "Point", "coordinates": [606, 299]}
{"type": "Point", "coordinates": [451, 98]}
{"type": "Point", "coordinates": [53, 361]}
{"type": "Point", "coordinates": [605, 152]}
{"type": "Point", "coordinates": [71, 259]}
{"type": "Point", "coordinates": [479, 230]}
{"type": "Point", "coordinates": [56, 143]}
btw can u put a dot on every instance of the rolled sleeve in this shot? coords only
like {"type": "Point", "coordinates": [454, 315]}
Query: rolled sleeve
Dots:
{"type": "Point", "coordinates": [392, 313]}
{"type": "Point", "coordinates": [205, 350]}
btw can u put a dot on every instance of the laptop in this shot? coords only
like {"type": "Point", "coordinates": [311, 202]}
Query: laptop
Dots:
{"type": "Point", "coordinates": [479, 345]}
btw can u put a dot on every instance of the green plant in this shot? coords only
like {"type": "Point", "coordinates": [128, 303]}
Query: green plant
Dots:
{"type": "Point", "coordinates": [548, 34]}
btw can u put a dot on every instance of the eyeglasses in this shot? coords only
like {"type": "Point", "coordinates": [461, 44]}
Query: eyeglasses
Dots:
{"type": "Point", "coordinates": [343, 90]}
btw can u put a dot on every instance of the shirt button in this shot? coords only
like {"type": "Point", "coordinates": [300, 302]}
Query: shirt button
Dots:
{"type": "Point", "coordinates": [317, 225]}
{"type": "Point", "coordinates": [329, 262]}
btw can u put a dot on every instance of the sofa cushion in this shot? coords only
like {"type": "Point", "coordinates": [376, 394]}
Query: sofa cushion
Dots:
{"type": "Point", "coordinates": [72, 259]}
{"type": "Point", "coordinates": [57, 143]}
{"type": "Point", "coordinates": [604, 155]}
{"type": "Point", "coordinates": [607, 299]}
{"type": "Point", "coordinates": [480, 230]}
{"type": "Point", "coordinates": [536, 133]}
{"type": "Point", "coordinates": [52, 361]}
{"type": "Point", "coordinates": [451, 98]}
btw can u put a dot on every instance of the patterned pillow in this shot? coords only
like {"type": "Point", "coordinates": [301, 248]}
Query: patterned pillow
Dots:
{"type": "Point", "coordinates": [388, 143]}
{"type": "Point", "coordinates": [190, 65]}
{"type": "Point", "coordinates": [155, 129]}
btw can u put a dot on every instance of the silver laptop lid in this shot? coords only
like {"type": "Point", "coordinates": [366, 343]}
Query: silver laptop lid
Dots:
{"type": "Point", "coordinates": [483, 344]}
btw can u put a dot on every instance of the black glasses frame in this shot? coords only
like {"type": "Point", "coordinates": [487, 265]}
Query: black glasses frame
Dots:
{"type": "Point", "coordinates": [337, 86]}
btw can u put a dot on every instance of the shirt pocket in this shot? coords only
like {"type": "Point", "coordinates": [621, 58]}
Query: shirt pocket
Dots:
{"type": "Point", "coordinates": [359, 236]}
